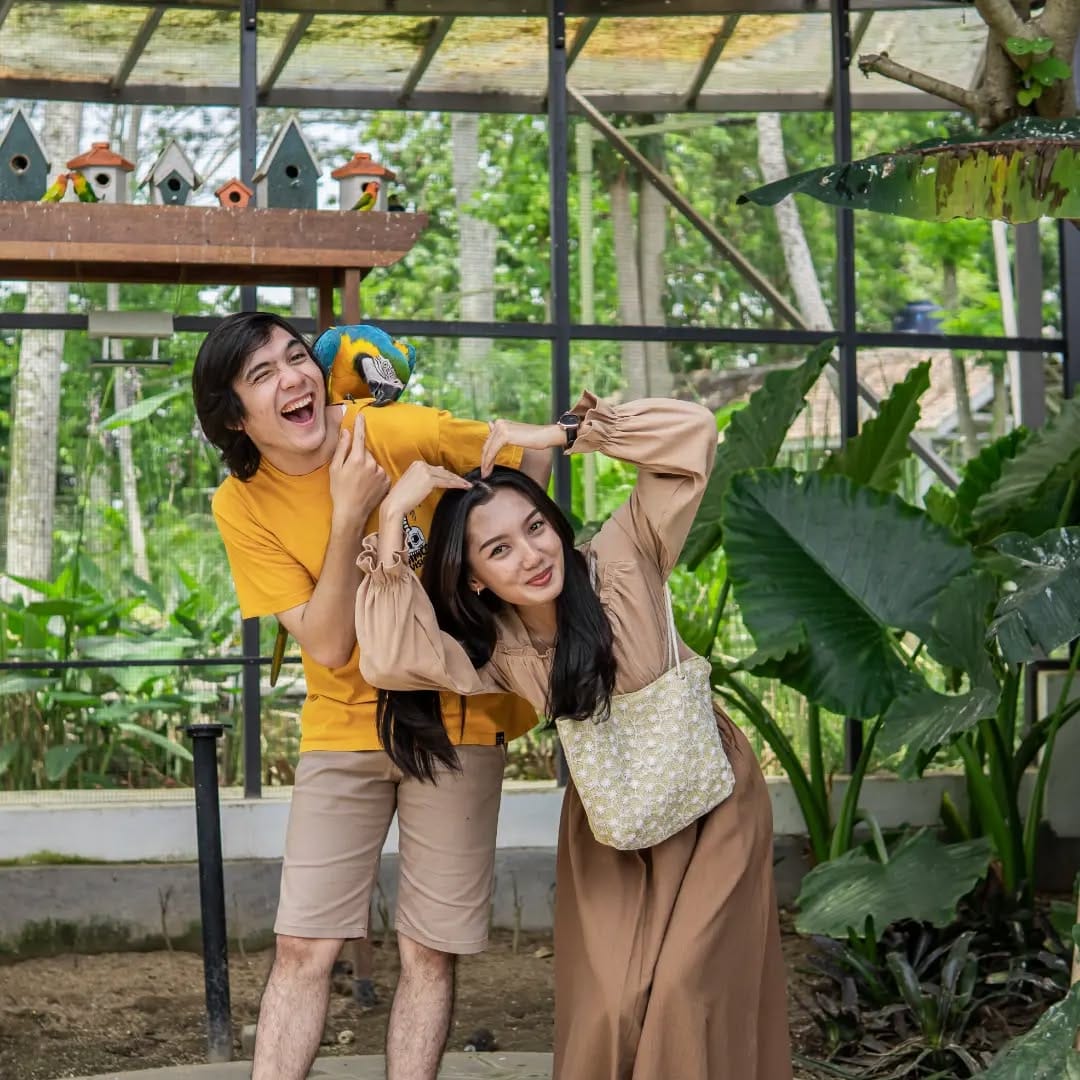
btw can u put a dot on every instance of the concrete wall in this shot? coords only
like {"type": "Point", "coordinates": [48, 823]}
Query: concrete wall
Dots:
{"type": "Point", "coordinates": [142, 882]}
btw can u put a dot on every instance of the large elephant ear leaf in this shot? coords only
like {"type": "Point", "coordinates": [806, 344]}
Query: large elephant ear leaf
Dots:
{"type": "Point", "coordinates": [844, 566]}
{"type": "Point", "coordinates": [752, 439]}
{"type": "Point", "coordinates": [1044, 610]}
{"type": "Point", "coordinates": [984, 470]}
{"type": "Point", "coordinates": [1046, 1051]}
{"type": "Point", "coordinates": [1048, 459]}
{"type": "Point", "coordinates": [923, 880]}
{"type": "Point", "coordinates": [874, 457]}
{"type": "Point", "coordinates": [1024, 171]}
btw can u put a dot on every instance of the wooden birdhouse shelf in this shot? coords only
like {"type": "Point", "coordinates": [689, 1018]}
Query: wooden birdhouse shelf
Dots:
{"type": "Point", "coordinates": [201, 245]}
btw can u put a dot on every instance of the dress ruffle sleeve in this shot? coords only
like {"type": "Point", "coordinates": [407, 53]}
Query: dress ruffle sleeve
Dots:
{"type": "Point", "coordinates": [673, 445]}
{"type": "Point", "coordinates": [401, 645]}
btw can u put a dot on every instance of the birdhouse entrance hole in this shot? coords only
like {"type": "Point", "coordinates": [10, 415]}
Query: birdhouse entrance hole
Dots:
{"type": "Point", "coordinates": [102, 179]}
{"type": "Point", "coordinates": [233, 196]}
{"type": "Point", "coordinates": [292, 171]}
{"type": "Point", "coordinates": [20, 163]}
{"type": "Point", "coordinates": [172, 184]}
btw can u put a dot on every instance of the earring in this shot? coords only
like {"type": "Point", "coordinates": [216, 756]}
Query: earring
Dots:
{"type": "Point", "coordinates": [479, 589]}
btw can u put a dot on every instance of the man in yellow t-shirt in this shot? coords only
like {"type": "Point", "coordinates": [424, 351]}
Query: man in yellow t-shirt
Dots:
{"type": "Point", "coordinates": [305, 479]}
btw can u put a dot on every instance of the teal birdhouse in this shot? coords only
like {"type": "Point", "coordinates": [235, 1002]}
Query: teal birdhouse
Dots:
{"type": "Point", "coordinates": [24, 164]}
{"type": "Point", "coordinates": [172, 178]}
{"type": "Point", "coordinates": [289, 174]}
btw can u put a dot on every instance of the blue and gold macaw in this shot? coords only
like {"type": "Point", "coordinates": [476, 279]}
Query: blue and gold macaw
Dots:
{"type": "Point", "coordinates": [358, 362]}
{"type": "Point", "coordinates": [363, 361]}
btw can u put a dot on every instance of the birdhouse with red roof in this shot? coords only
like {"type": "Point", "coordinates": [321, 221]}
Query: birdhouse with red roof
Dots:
{"type": "Point", "coordinates": [106, 172]}
{"type": "Point", "coordinates": [288, 176]}
{"type": "Point", "coordinates": [234, 194]}
{"type": "Point", "coordinates": [354, 178]}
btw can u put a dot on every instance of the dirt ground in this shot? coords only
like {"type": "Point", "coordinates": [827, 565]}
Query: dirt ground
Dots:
{"type": "Point", "coordinates": [79, 1015]}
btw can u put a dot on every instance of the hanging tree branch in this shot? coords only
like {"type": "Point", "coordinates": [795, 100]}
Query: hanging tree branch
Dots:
{"type": "Point", "coordinates": [931, 84]}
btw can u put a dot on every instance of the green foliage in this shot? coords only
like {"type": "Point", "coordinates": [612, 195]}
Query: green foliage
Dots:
{"type": "Point", "coordinates": [1046, 1051]}
{"type": "Point", "coordinates": [921, 879]}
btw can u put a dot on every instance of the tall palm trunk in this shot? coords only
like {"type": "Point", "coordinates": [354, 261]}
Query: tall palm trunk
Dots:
{"type": "Point", "coordinates": [635, 371]}
{"type": "Point", "coordinates": [652, 239]}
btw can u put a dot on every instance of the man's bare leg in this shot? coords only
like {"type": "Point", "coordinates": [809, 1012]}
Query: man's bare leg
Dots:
{"type": "Point", "coordinates": [420, 1016]}
{"type": "Point", "coordinates": [292, 1014]}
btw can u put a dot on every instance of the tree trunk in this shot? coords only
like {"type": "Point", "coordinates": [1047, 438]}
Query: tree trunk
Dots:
{"type": "Point", "coordinates": [476, 259]}
{"type": "Point", "coordinates": [125, 393]}
{"type": "Point", "coordinates": [635, 373]}
{"type": "Point", "coordinates": [652, 239]}
{"type": "Point", "coordinates": [772, 161]}
{"type": "Point", "coordinates": [35, 400]}
{"type": "Point", "coordinates": [965, 419]}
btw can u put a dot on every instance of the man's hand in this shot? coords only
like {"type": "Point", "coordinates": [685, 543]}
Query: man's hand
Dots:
{"type": "Point", "coordinates": [510, 433]}
{"type": "Point", "coordinates": [357, 482]}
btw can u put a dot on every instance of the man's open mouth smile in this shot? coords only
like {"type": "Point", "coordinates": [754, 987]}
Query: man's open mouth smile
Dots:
{"type": "Point", "coordinates": [300, 411]}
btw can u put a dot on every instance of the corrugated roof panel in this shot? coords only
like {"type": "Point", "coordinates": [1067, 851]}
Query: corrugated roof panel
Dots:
{"type": "Point", "coordinates": [488, 55]}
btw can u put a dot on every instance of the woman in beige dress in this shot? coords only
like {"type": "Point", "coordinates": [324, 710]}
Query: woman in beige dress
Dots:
{"type": "Point", "coordinates": [667, 960]}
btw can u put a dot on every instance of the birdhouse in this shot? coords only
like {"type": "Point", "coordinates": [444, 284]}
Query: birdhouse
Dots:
{"type": "Point", "coordinates": [234, 194]}
{"type": "Point", "coordinates": [172, 178]}
{"type": "Point", "coordinates": [289, 174]}
{"type": "Point", "coordinates": [24, 164]}
{"type": "Point", "coordinates": [354, 176]}
{"type": "Point", "coordinates": [106, 171]}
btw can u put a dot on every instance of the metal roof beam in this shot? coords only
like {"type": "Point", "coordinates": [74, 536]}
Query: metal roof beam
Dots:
{"type": "Point", "coordinates": [439, 29]}
{"type": "Point", "coordinates": [862, 24]}
{"type": "Point", "coordinates": [287, 97]}
{"type": "Point", "coordinates": [538, 8]}
{"type": "Point", "coordinates": [580, 39]}
{"type": "Point", "coordinates": [135, 50]}
{"type": "Point", "coordinates": [284, 54]}
{"type": "Point", "coordinates": [719, 41]}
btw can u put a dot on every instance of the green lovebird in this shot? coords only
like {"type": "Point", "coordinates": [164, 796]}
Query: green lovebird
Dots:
{"type": "Point", "coordinates": [367, 199]}
{"type": "Point", "coordinates": [82, 187]}
{"type": "Point", "coordinates": [56, 190]}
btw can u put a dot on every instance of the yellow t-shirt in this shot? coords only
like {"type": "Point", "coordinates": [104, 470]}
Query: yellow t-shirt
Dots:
{"type": "Point", "coordinates": [276, 528]}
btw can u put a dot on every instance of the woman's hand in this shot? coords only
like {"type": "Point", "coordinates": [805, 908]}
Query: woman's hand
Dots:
{"type": "Point", "coordinates": [510, 433]}
{"type": "Point", "coordinates": [418, 481]}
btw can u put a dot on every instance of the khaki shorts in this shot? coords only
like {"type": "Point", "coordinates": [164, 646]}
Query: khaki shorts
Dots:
{"type": "Point", "coordinates": [342, 805]}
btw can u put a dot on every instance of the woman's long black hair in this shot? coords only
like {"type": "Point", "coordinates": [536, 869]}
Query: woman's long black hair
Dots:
{"type": "Point", "coordinates": [410, 723]}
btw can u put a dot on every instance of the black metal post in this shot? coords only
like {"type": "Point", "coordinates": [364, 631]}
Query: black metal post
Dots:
{"type": "Point", "coordinates": [249, 91]}
{"type": "Point", "coordinates": [845, 270]}
{"type": "Point", "coordinates": [558, 169]}
{"type": "Point", "coordinates": [1069, 247]}
{"type": "Point", "coordinates": [212, 892]}
{"type": "Point", "coordinates": [252, 698]}
{"type": "Point", "coordinates": [249, 103]}
{"type": "Point", "coordinates": [559, 223]}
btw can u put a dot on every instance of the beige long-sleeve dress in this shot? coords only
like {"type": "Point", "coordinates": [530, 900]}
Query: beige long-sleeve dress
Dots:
{"type": "Point", "coordinates": [667, 960]}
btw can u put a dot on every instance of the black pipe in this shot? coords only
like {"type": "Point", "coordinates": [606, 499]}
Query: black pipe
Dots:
{"type": "Point", "coordinates": [845, 270]}
{"type": "Point", "coordinates": [212, 892]}
{"type": "Point", "coordinates": [559, 222]}
{"type": "Point", "coordinates": [1069, 247]}
{"type": "Point", "coordinates": [252, 696]}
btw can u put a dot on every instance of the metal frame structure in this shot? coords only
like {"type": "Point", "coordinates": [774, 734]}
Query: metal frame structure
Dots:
{"type": "Point", "coordinates": [559, 101]}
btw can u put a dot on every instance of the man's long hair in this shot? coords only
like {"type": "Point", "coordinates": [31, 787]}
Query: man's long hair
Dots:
{"type": "Point", "coordinates": [410, 723]}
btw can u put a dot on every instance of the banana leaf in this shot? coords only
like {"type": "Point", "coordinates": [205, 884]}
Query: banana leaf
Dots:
{"type": "Point", "coordinates": [1025, 170]}
{"type": "Point", "coordinates": [824, 571]}
{"type": "Point", "coordinates": [924, 880]}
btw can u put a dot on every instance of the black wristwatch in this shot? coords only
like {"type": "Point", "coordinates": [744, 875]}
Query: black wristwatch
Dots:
{"type": "Point", "coordinates": [569, 422]}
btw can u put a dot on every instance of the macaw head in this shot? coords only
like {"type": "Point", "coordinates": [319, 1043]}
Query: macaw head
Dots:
{"type": "Point", "coordinates": [363, 361]}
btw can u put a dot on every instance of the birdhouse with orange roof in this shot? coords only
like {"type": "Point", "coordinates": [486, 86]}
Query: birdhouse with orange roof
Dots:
{"type": "Point", "coordinates": [234, 194]}
{"type": "Point", "coordinates": [288, 176]}
{"type": "Point", "coordinates": [105, 171]}
{"type": "Point", "coordinates": [354, 178]}
{"type": "Point", "coordinates": [24, 162]}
